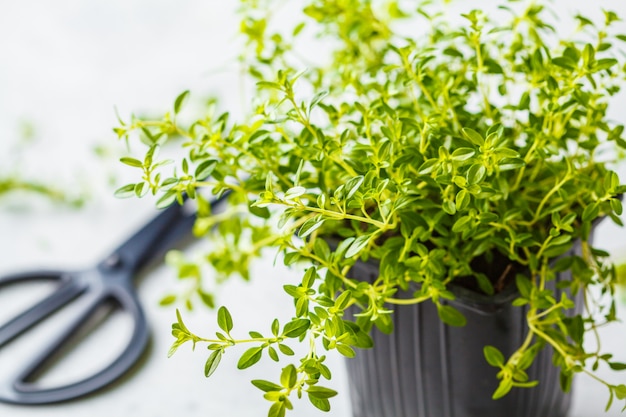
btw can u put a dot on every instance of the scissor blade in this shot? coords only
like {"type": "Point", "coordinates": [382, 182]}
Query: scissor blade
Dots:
{"type": "Point", "coordinates": [40, 311]}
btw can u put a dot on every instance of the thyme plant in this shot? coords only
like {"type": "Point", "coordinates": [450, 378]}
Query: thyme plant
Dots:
{"type": "Point", "coordinates": [421, 144]}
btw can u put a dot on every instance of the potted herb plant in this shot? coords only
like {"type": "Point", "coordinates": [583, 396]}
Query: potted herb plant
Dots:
{"type": "Point", "coordinates": [437, 178]}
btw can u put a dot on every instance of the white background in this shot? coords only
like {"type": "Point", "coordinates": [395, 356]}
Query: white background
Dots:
{"type": "Point", "coordinates": [64, 66]}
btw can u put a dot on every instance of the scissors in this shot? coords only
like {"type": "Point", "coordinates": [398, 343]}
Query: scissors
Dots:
{"type": "Point", "coordinates": [111, 280]}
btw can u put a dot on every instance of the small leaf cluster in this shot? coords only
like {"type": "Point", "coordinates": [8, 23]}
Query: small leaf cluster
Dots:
{"type": "Point", "coordinates": [435, 150]}
{"type": "Point", "coordinates": [301, 379]}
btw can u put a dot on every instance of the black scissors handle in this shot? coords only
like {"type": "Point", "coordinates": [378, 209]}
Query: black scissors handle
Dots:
{"type": "Point", "coordinates": [93, 292]}
{"type": "Point", "coordinates": [111, 281]}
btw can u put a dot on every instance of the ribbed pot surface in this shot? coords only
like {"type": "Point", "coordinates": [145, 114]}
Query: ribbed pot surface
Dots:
{"type": "Point", "coordinates": [428, 369]}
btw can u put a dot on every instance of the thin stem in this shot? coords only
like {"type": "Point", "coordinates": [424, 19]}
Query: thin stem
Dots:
{"type": "Point", "coordinates": [407, 301]}
{"type": "Point", "coordinates": [546, 198]}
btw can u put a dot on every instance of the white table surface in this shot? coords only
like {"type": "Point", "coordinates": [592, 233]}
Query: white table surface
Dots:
{"type": "Point", "coordinates": [63, 67]}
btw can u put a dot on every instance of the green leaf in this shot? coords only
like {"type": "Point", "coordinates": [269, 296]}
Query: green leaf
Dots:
{"type": "Point", "coordinates": [449, 207]}
{"type": "Point", "coordinates": [212, 363]}
{"type": "Point", "coordinates": [178, 103]}
{"type": "Point", "coordinates": [617, 366]}
{"type": "Point", "coordinates": [319, 403]}
{"type": "Point", "coordinates": [250, 357]}
{"type": "Point", "coordinates": [460, 181]}
{"type": "Point", "coordinates": [126, 191]}
{"type": "Point", "coordinates": [461, 224]}
{"type": "Point", "coordinates": [463, 154]}
{"type": "Point", "coordinates": [310, 226]}
{"type": "Point", "coordinates": [428, 166]}
{"type": "Point", "coordinates": [342, 301]}
{"type": "Point", "coordinates": [261, 212]}
{"type": "Point", "coordinates": [476, 173]}
{"type": "Point", "coordinates": [275, 327]}
{"type": "Point", "coordinates": [485, 284]}
{"type": "Point", "coordinates": [616, 206]}
{"type": "Point", "coordinates": [266, 386]}
{"type": "Point", "coordinates": [286, 350]}
{"type": "Point", "coordinates": [451, 315]}
{"type": "Point", "coordinates": [296, 327]}
{"type": "Point", "coordinates": [321, 392]}
{"type": "Point", "coordinates": [289, 376]}
{"type": "Point", "coordinates": [524, 286]}
{"type": "Point", "coordinates": [591, 212]}
{"type": "Point", "coordinates": [353, 186]}
{"type": "Point", "coordinates": [493, 356]}
{"type": "Point", "coordinates": [317, 99]}
{"type": "Point", "coordinates": [604, 64]}
{"type": "Point", "coordinates": [321, 249]}
{"type": "Point", "coordinates": [507, 164]}
{"type": "Point", "coordinates": [358, 244]}
{"type": "Point", "coordinates": [524, 103]}
{"type": "Point", "coordinates": [564, 62]}
{"type": "Point", "coordinates": [503, 389]}
{"type": "Point", "coordinates": [140, 189]}
{"type": "Point", "coordinates": [269, 85]}
{"type": "Point", "coordinates": [565, 380]}
{"type": "Point", "coordinates": [224, 319]}
{"type": "Point", "coordinates": [167, 300]}
{"type": "Point", "coordinates": [588, 54]}
{"type": "Point", "coordinates": [207, 299]}
{"type": "Point", "coordinates": [473, 136]}
{"type": "Point", "coordinates": [462, 200]}
{"type": "Point", "coordinates": [205, 169]}
{"type": "Point", "coordinates": [278, 409]}
{"type": "Point", "coordinates": [295, 192]}
{"type": "Point", "coordinates": [345, 350]}
{"type": "Point", "coordinates": [309, 276]}
{"type": "Point", "coordinates": [167, 199]}
{"type": "Point", "coordinates": [610, 401]}
{"type": "Point", "coordinates": [273, 354]}
{"type": "Point", "coordinates": [561, 240]}
{"type": "Point", "coordinates": [131, 162]}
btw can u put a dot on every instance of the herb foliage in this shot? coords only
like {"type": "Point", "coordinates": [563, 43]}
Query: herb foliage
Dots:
{"type": "Point", "coordinates": [422, 144]}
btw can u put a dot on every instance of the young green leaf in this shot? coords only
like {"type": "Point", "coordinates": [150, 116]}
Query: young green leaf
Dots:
{"type": "Point", "coordinates": [358, 245]}
{"type": "Point", "coordinates": [473, 136]}
{"type": "Point", "coordinates": [178, 103]}
{"type": "Point", "coordinates": [310, 226]}
{"type": "Point", "coordinates": [493, 356]}
{"type": "Point", "coordinates": [250, 357]}
{"type": "Point", "coordinates": [205, 169]}
{"type": "Point", "coordinates": [212, 362]}
{"type": "Point", "coordinates": [321, 392]}
{"type": "Point", "coordinates": [224, 319]}
{"type": "Point", "coordinates": [504, 388]}
{"type": "Point", "coordinates": [126, 191]}
{"type": "Point", "coordinates": [296, 327]}
{"type": "Point", "coordinates": [345, 350]}
{"type": "Point", "coordinates": [131, 162]}
{"type": "Point", "coordinates": [319, 403]}
{"type": "Point", "coordinates": [278, 409]}
{"type": "Point", "coordinates": [289, 376]}
{"type": "Point", "coordinates": [266, 386]}
{"type": "Point", "coordinates": [451, 315]}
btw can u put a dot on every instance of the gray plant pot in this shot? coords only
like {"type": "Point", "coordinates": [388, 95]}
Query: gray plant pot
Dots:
{"type": "Point", "coordinates": [428, 369]}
